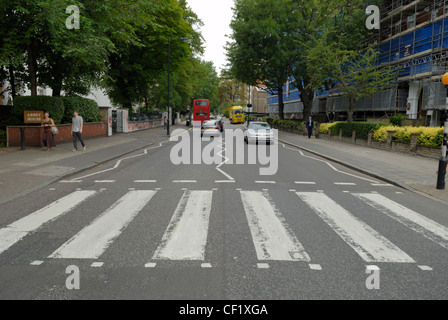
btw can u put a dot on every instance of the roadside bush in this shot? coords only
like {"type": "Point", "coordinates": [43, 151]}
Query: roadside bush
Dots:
{"type": "Point", "coordinates": [362, 128]}
{"type": "Point", "coordinates": [87, 108]}
{"type": "Point", "coordinates": [431, 137]}
{"type": "Point", "coordinates": [2, 138]}
{"type": "Point", "coordinates": [53, 105]}
{"type": "Point", "coordinates": [397, 120]}
{"type": "Point", "coordinates": [287, 124]}
{"type": "Point", "coordinates": [326, 127]}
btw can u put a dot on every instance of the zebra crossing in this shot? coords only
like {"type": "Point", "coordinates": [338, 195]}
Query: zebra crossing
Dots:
{"type": "Point", "coordinates": [186, 235]}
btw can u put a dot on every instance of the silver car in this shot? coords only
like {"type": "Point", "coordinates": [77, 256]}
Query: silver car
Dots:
{"type": "Point", "coordinates": [259, 132]}
{"type": "Point", "coordinates": [210, 128]}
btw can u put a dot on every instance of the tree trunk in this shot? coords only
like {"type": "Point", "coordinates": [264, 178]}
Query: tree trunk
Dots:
{"type": "Point", "coordinates": [146, 104]}
{"type": "Point", "coordinates": [351, 109]}
{"type": "Point", "coordinates": [57, 88]}
{"type": "Point", "coordinates": [281, 104]}
{"type": "Point", "coordinates": [32, 68]}
{"type": "Point", "coordinates": [307, 95]}
{"type": "Point", "coordinates": [12, 81]}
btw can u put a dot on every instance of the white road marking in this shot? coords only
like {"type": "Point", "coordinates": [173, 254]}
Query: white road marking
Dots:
{"type": "Point", "coordinates": [150, 265]}
{"type": "Point", "coordinates": [425, 268]}
{"type": "Point", "coordinates": [345, 184]}
{"type": "Point", "coordinates": [18, 230]}
{"type": "Point", "coordinates": [381, 185]}
{"type": "Point", "coordinates": [292, 190]}
{"type": "Point", "coordinates": [36, 263]}
{"type": "Point", "coordinates": [265, 182]}
{"type": "Point", "coordinates": [186, 236]}
{"type": "Point", "coordinates": [145, 181]}
{"type": "Point", "coordinates": [372, 268]}
{"type": "Point", "coordinates": [225, 181]}
{"type": "Point", "coordinates": [262, 266]}
{"type": "Point", "coordinates": [346, 191]}
{"type": "Point", "coordinates": [185, 181]}
{"type": "Point", "coordinates": [70, 181]}
{"type": "Point", "coordinates": [330, 165]}
{"type": "Point", "coordinates": [206, 265]}
{"type": "Point", "coordinates": [316, 267]}
{"type": "Point", "coordinates": [97, 264]}
{"type": "Point", "coordinates": [105, 181]}
{"type": "Point", "coordinates": [52, 189]}
{"type": "Point", "coordinates": [272, 238]}
{"type": "Point", "coordinates": [305, 182]}
{"type": "Point", "coordinates": [413, 220]}
{"type": "Point", "coordinates": [93, 240]}
{"type": "Point", "coordinates": [369, 244]}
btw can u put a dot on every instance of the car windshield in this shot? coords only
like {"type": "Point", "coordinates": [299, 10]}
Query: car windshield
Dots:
{"type": "Point", "coordinates": [259, 126]}
{"type": "Point", "coordinates": [238, 112]}
{"type": "Point", "coordinates": [209, 123]}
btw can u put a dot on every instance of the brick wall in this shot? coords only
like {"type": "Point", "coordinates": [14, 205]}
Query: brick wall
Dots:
{"type": "Point", "coordinates": [33, 135]}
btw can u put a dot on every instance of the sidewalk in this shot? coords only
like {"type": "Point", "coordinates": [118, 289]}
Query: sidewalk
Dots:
{"type": "Point", "coordinates": [22, 172]}
{"type": "Point", "coordinates": [417, 174]}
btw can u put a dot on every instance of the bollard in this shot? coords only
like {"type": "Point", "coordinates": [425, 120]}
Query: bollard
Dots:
{"type": "Point", "coordinates": [22, 138]}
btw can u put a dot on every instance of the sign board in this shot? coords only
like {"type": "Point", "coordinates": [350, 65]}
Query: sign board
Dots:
{"type": "Point", "coordinates": [188, 107]}
{"type": "Point", "coordinates": [33, 117]}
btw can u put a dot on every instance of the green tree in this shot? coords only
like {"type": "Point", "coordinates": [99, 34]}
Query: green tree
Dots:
{"type": "Point", "coordinates": [355, 74]}
{"type": "Point", "coordinates": [261, 49]}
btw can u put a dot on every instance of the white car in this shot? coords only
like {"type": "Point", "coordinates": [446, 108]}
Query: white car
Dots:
{"type": "Point", "coordinates": [210, 128]}
{"type": "Point", "coordinates": [259, 132]}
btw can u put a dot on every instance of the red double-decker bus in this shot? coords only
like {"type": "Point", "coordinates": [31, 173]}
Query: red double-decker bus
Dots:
{"type": "Point", "coordinates": [201, 111]}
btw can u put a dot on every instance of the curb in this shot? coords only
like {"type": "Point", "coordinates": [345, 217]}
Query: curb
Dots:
{"type": "Point", "coordinates": [363, 171]}
{"type": "Point", "coordinates": [72, 173]}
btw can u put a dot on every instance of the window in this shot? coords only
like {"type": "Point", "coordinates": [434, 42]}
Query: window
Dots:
{"type": "Point", "coordinates": [239, 111]}
{"type": "Point", "coordinates": [201, 103]}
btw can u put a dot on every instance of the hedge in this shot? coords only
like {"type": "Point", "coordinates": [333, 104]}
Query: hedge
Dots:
{"type": "Point", "coordinates": [53, 105]}
{"type": "Point", "coordinates": [432, 137]}
{"type": "Point", "coordinates": [362, 128]}
{"type": "Point", "coordinates": [87, 108]}
{"type": "Point", "coordinates": [287, 124]}
{"type": "Point", "coordinates": [326, 127]}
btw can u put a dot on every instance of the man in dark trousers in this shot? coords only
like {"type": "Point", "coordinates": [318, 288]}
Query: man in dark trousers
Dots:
{"type": "Point", "coordinates": [310, 126]}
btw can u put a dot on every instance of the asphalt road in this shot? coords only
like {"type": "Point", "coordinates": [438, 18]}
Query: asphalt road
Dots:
{"type": "Point", "coordinates": [144, 228]}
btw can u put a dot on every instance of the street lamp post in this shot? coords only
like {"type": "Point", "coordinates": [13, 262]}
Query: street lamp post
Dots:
{"type": "Point", "coordinates": [169, 74]}
{"type": "Point", "coordinates": [441, 177]}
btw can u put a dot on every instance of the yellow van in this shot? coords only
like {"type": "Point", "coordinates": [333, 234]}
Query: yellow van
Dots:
{"type": "Point", "coordinates": [236, 115]}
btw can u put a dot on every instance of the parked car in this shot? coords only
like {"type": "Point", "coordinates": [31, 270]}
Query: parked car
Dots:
{"type": "Point", "coordinates": [210, 128]}
{"type": "Point", "coordinates": [259, 132]}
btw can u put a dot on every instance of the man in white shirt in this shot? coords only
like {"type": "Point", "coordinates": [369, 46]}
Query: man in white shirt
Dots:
{"type": "Point", "coordinates": [77, 126]}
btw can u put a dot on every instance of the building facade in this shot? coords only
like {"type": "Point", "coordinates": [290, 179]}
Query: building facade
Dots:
{"type": "Point", "coordinates": [413, 38]}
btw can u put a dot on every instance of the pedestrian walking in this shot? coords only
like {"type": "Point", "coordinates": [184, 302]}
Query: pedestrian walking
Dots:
{"type": "Point", "coordinates": [77, 126]}
{"type": "Point", "coordinates": [48, 137]}
{"type": "Point", "coordinates": [310, 126]}
{"type": "Point", "coordinates": [165, 123]}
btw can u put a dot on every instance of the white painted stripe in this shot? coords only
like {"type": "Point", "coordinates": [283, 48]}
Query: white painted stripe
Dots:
{"type": "Point", "coordinates": [97, 264]}
{"type": "Point", "coordinates": [381, 185]}
{"type": "Point", "coordinates": [425, 268]}
{"type": "Point", "coordinates": [105, 181]}
{"type": "Point", "coordinates": [413, 220]}
{"type": "Point", "coordinates": [19, 229]}
{"type": "Point", "coordinates": [305, 182]}
{"type": "Point", "coordinates": [292, 190]}
{"type": "Point", "coordinates": [369, 244]}
{"type": "Point", "coordinates": [186, 236]}
{"type": "Point", "coordinates": [36, 263]}
{"type": "Point", "coordinates": [271, 236]}
{"type": "Point", "coordinates": [206, 265]}
{"type": "Point", "coordinates": [145, 181]}
{"type": "Point", "coordinates": [225, 181]}
{"type": "Point", "coordinates": [70, 181]}
{"type": "Point", "coordinates": [93, 240]}
{"type": "Point", "coordinates": [150, 265]}
{"type": "Point", "coordinates": [262, 266]}
{"type": "Point", "coordinates": [185, 181]}
{"type": "Point", "coordinates": [265, 182]}
{"type": "Point", "coordinates": [316, 267]}
{"type": "Point", "coordinates": [373, 268]}
{"type": "Point", "coordinates": [345, 184]}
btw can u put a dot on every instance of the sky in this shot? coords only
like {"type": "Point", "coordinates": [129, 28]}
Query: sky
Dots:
{"type": "Point", "coordinates": [216, 15]}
